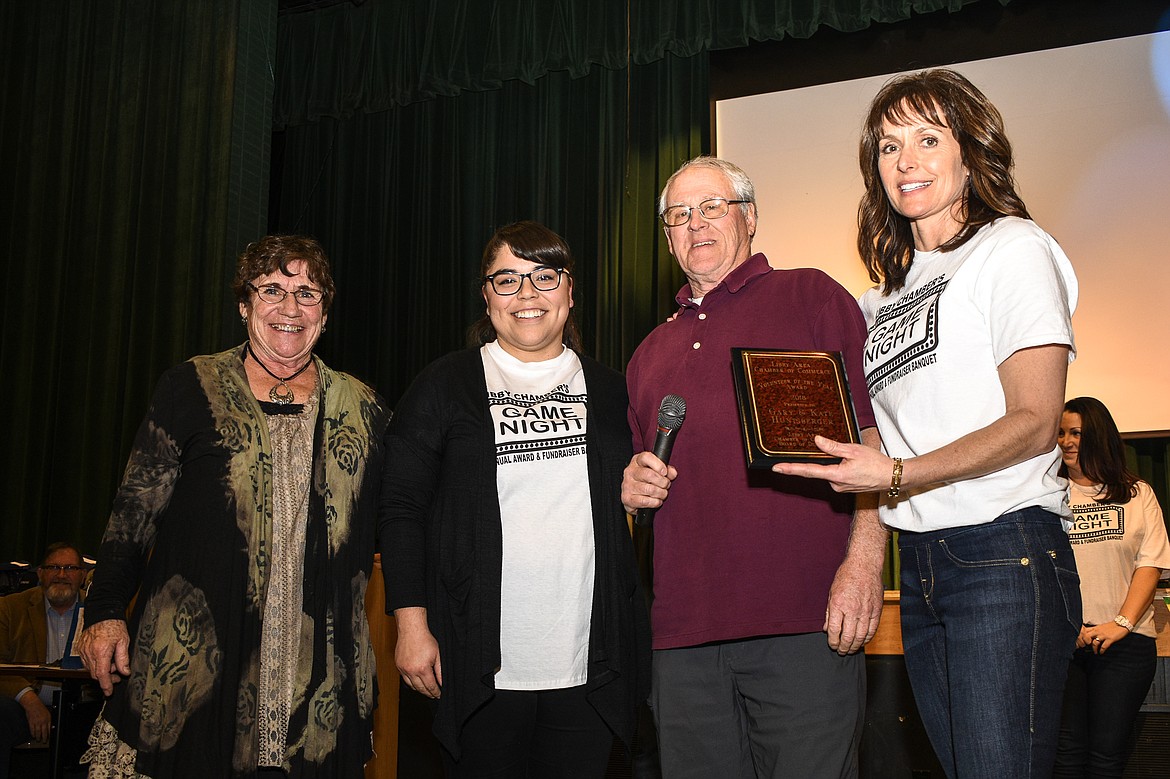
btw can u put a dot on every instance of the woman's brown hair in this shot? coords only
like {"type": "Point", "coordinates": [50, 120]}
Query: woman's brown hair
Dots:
{"type": "Point", "coordinates": [1101, 452]}
{"type": "Point", "coordinates": [947, 99]}
{"type": "Point", "coordinates": [275, 252]}
{"type": "Point", "coordinates": [536, 243]}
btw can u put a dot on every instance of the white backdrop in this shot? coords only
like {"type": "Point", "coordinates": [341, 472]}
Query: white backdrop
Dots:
{"type": "Point", "coordinates": [1090, 126]}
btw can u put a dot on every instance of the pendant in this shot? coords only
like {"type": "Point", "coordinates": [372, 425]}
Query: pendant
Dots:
{"type": "Point", "coordinates": [279, 396]}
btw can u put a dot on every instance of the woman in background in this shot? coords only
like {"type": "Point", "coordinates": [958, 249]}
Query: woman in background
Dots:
{"type": "Point", "coordinates": [1119, 539]}
{"type": "Point", "coordinates": [507, 553]}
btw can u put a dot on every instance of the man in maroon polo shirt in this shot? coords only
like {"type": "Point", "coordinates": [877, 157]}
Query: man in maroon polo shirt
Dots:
{"type": "Point", "coordinates": [765, 587]}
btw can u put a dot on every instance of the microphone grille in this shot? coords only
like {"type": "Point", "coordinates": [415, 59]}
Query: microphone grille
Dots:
{"type": "Point", "coordinates": [671, 412]}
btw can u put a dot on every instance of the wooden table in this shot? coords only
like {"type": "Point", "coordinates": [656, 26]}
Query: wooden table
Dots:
{"type": "Point", "coordinates": [71, 680]}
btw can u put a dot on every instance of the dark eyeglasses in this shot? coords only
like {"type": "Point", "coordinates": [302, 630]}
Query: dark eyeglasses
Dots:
{"type": "Point", "coordinates": [507, 282]}
{"type": "Point", "coordinates": [61, 568]}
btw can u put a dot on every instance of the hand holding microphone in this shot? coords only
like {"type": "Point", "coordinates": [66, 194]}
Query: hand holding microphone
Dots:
{"type": "Point", "coordinates": [671, 414]}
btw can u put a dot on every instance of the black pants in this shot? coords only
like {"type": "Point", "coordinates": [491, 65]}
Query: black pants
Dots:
{"type": "Point", "coordinates": [1101, 702]}
{"type": "Point", "coordinates": [13, 731]}
{"type": "Point", "coordinates": [544, 733]}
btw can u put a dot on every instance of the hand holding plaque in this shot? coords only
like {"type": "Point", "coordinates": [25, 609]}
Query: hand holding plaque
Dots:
{"type": "Point", "coordinates": [785, 398]}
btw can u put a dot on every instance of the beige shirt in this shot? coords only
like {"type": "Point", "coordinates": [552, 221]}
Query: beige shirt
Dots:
{"type": "Point", "coordinates": [1110, 541]}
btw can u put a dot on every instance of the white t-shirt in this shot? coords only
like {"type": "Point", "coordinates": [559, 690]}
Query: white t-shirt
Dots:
{"type": "Point", "coordinates": [932, 358]}
{"type": "Point", "coordinates": [1111, 541]}
{"type": "Point", "coordinates": [538, 411]}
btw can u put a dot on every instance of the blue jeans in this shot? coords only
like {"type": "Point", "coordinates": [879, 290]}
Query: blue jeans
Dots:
{"type": "Point", "coordinates": [1101, 703]}
{"type": "Point", "coordinates": [990, 615]}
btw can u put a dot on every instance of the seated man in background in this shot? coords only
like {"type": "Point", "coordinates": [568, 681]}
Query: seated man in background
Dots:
{"type": "Point", "coordinates": [34, 626]}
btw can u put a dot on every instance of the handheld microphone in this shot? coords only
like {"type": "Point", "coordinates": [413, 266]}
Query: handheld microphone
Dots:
{"type": "Point", "coordinates": [671, 414]}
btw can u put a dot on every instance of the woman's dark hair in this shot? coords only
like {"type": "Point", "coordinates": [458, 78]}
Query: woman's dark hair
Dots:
{"type": "Point", "coordinates": [947, 99]}
{"type": "Point", "coordinates": [1101, 454]}
{"type": "Point", "coordinates": [275, 252]}
{"type": "Point", "coordinates": [536, 243]}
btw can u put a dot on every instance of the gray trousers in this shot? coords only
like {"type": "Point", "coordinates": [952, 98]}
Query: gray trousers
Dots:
{"type": "Point", "coordinates": [781, 706]}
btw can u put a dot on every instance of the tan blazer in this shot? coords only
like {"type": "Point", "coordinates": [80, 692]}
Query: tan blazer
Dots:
{"type": "Point", "coordinates": [22, 635]}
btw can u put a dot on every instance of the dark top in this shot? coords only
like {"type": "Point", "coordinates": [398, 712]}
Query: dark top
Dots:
{"type": "Point", "coordinates": [442, 543]}
{"type": "Point", "coordinates": [191, 524]}
{"type": "Point", "coordinates": [741, 553]}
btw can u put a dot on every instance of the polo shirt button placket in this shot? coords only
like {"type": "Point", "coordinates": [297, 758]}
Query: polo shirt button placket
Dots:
{"type": "Point", "coordinates": [698, 330]}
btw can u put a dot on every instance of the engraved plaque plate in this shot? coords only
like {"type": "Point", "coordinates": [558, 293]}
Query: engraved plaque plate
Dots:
{"type": "Point", "coordinates": [785, 398]}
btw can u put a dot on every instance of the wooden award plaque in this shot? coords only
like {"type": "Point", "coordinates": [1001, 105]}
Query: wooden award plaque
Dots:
{"type": "Point", "coordinates": [785, 398]}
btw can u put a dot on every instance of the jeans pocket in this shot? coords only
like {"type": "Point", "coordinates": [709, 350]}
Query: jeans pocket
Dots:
{"type": "Point", "coordinates": [1068, 581]}
{"type": "Point", "coordinates": [967, 551]}
{"type": "Point", "coordinates": [1004, 567]}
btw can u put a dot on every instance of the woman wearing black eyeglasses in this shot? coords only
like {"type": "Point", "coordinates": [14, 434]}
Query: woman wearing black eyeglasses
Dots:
{"type": "Point", "coordinates": [509, 567]}
{"type": "Point", "coordinates": [245, 524]}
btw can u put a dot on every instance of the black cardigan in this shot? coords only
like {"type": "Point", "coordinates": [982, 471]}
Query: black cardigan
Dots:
{"type": "Point", "coordinates": [442, 545]}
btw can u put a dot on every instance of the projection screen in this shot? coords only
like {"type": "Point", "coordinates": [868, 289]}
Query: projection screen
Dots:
{"type": "Point", "coordinates": [1090, 125]}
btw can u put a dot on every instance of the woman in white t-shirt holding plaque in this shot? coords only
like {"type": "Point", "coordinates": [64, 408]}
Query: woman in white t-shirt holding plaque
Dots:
{"type": "Point", "coordinates": [970, 337]}
{"type": "Point", "coordinates": [507, 554]}
{"type": "Point", "coordinates": [1119, 539]}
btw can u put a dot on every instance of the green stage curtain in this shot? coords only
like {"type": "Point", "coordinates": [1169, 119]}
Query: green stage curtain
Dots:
{"type": "Point", "coordinates": [116, 122]}
{"type": "Point", "coordinates": [404, 200]}
{"type": "Point", "coordinates": [1149, 457]}
{"type": "Point", "coordinates": [413, 129]}
{"type": "Point", "coordinates": [572, 113]}
{"type": "Point", "coordinates": [686, 27]}
{"type": "Point", "coordinates": [134, 135]}
{"type": "Point", "coordinates": [383, 53]}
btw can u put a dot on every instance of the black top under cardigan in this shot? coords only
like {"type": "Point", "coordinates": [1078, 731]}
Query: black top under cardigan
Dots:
{"type": "Point", "coordinates": [442, 544]}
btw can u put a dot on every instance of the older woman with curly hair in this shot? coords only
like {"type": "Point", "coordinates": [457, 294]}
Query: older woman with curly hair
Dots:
{"type": "Point", "coordinates": [245, 524]}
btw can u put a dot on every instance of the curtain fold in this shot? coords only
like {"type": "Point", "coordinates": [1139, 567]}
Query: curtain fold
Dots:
{"type": "Point", "coordinates": [685, 27]}
{"type": "Point", "coordinates": [115, 144]}
{"type": "Point", "coordinates": [404, 201]}
{"type": "Point", "coordinates": [130, 169]}
{"type": "Point", "coordinates": [1150, 459]}
{"type": "Point", "coordinates": [386, 53]}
